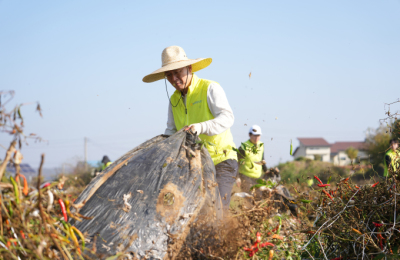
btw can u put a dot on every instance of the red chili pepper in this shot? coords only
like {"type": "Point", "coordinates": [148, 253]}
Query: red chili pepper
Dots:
{"type": "Point", "coordinates": [258, 237]}
{"type": "Point", "coordinates": [275, 229]}
{"type": "Point", "coordinates": [46, 185]}
{"type": "Point", "coordinates": [266, 244]}
{"type": "Point", "coordinates": [323, 185]}
{"type": "Point", "coordinates": [22, 234]}
{"type": "Point", "coordinates": [253, 247]}
{"type": "Point", "coordinates": [357, 187]}
{"type": "Point", "coordinates": [253, 252]}
{"type": "Point", "coordinates": [25, 190]}
{"type": "Point", "coordinates": [318, 180]}
{"type": "Point", "coordinates": [380, 241]}
{"type": "Point", "coordinates": [373, 185]}
{"type": "Point", "coordinates": [63, 210]}
{"type": "Point", "coordinates": [346, 179]}
{"type": "Point", "coordinates": [349, 186]}
{"type": "Point", "coordinates": [377, 224]}
{"type": "Point", "coordinates": [327, 194]}
{"type": "Point", "coordinates": [261, 246]}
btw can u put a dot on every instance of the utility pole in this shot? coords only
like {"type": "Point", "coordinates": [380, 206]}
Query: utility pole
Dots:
{"type": "Point", "coordinates": [85, 153]}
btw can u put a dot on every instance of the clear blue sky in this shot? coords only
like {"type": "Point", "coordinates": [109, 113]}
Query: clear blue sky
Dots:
{"type": "Point", "coordinates": [322, 68]}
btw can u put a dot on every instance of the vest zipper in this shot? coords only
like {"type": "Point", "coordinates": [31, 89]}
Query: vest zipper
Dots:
{"type": "Point", "coordinates": [187, 118]}
{"type": "Point", "coordinates": [184, 104]}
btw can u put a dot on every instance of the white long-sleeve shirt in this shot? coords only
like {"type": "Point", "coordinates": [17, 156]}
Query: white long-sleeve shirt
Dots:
{"type": "Point", "coordinates": [219, 107]}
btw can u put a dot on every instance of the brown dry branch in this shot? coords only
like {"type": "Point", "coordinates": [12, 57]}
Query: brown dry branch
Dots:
{"type": "Point", "coordinates": [9, 153]}
{"type": "Point", "coordinates": [360, 223]}
{"type": "Point", "coordinates": [27, 230]}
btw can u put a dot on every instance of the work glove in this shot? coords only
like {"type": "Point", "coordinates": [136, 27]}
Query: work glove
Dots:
{"type": "Point", "coordinates": [196, 128]}
{"type": "Point", "coordinates": [238, 182]}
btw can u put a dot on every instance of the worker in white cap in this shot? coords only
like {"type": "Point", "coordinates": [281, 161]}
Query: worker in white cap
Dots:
{"type": "Point", "coordinates": [252, 165]}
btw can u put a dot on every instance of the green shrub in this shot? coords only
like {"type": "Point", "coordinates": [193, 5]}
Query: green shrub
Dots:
{"type": "Point", "coordinates": [317, 157]}
{"type": "Point", "coordinates": [305, 170]}
{"type": "Point", "coordinates": [302, 159]}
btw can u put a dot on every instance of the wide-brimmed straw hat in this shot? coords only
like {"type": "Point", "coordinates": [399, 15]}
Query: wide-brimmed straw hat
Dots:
{"type": "Point", "coordinates": [174, 57]}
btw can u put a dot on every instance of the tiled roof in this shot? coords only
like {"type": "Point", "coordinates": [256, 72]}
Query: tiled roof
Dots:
{"type": "Point", "coordinates": [313, 141]}
{"type": "Point", "coordinates": [342, 146]}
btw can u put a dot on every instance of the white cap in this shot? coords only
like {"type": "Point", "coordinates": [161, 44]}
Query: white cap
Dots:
{"type": "Point", "coordinates": [255, 130]}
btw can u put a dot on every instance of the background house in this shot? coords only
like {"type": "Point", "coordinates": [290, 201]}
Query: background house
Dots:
{"type": "Point", "coordinates": [312, 148]}
{"type": "Point", "coordinates": [319, 148]}
{"type": "Point", "coordinates": [338, 152]}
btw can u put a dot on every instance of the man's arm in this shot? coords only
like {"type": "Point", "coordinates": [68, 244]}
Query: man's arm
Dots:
{"type": "Point", "coordinates": [264, 166]}
{"type": "Point", "coordinates": [171, 128]}
{"type": "Point", "coordinates": [219, 107]}
{"type": "Point", "coordinates": [240, 154]}
{"type": "Point", "coordinates": [388, 161]}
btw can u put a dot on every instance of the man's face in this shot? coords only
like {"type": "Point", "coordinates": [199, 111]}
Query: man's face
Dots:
{"type": "Point", "coordinates": [255, 138]}
{"type": "Point", "coordinates": [178, 78]}
{"type": "Point", "coordinates": [394, 146]}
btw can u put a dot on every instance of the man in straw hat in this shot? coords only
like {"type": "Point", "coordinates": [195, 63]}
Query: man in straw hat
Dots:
{"type": "Point", "coordinates": [202, 105]}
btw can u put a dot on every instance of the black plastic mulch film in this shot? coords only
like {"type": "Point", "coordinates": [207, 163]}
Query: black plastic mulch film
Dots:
{"type": "Point", "coordinates": [168, 183]}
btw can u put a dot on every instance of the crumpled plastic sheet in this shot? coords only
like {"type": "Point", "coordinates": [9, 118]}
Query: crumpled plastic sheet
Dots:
{"type": "Point", "coordinates": [147, 228]}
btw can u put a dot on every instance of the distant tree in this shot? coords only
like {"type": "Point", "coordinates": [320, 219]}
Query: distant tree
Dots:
{"type": "Point", "coordinates": [352, 153]}
{"type": "Point", "coordinates": [377, 141]}
{"type": "Point", "coordinates": [302, 159]}
{"type": "Point", "coordinates": [317, 157]}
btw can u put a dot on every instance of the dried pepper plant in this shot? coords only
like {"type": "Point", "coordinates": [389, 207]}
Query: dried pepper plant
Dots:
{"type": "Point", "coordinates": [357, 222]}
{"type": "Point", "coordinates": [34, 220]}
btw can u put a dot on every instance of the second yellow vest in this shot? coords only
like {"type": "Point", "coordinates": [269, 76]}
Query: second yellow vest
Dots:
{"type": "Point", "coordinates": [395, 159]}
{"type": "Point", "coordinates": [249, 168]}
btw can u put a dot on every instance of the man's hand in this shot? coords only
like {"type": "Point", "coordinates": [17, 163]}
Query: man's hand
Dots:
{"type": "Point", "coordinates": [238, 182]}
{"type": "Point", "coordinates": [196, 128]}
{"type": "Point", "coordinates": [261, 162]}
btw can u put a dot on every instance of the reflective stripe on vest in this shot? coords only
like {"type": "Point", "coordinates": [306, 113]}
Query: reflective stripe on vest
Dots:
{"type": "Point", "coordinates": [394, 160]}
{"type": "Point", "coordinates": [197, 111]}
{"type": "Point", "coordinates": [255, 170]}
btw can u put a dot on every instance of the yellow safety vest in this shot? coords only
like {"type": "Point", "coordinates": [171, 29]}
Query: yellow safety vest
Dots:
{"type": "Point", "coordinates": [105, 165]}
{"type": "Point", "coordinates": [395, 159]}
{"type": "Point", "coordinates": [197, 111]}
{"type": "Point", "coordinates": [248, 168]}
